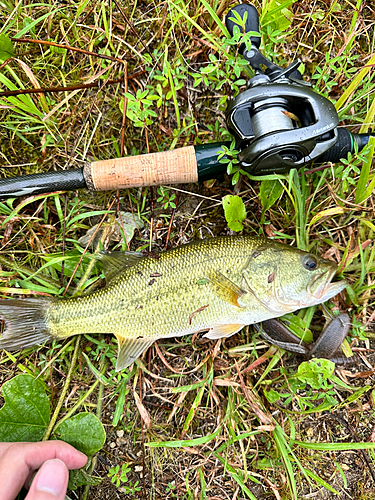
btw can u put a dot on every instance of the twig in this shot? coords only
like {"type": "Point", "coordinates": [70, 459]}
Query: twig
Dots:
{"type": "Point", "coordinates": [171, 220]}
{"type": "Point", "coordinates": [134, 31]}
{"type": "Point", "coordinates": [67, 47]}
{"type": "Point", "coordinates": [251, 399]}
{"type": "Point", "coordinates": [51, 90]}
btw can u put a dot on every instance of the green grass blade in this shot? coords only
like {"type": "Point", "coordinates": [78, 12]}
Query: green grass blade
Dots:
{"type": "Point", "coordinates": [284, 450]}
{"type": "Point", "coordinates": [196, 25]}
{"type": "Point", "coordinates": [336, 446]}
{"type": "Point", "coordinates": [30, 26]}
{"type": "Point", "coordinates": [182, 443]}
{"type": "Point", "coordinates": [357, 81]}
{"type": "Point", "coordinates": [193, 410]}
{"type": "Point", "coordinates": [363, 192]}
{"type": "Point", "coordinates": [237, 477]}
{"type": "Point", "coordinates": [321, 481]}
{"type": "Point", "coordinates": [216, 18]}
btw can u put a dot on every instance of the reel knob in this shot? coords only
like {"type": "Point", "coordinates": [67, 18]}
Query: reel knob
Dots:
{"type": "Point", "coordinates": [252, 22]}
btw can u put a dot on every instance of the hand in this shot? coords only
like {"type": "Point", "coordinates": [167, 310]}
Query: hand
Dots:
{"type": "Point", "coordinates": [19, 461]}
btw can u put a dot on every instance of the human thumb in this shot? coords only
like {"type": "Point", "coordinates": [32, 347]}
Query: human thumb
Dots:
{"type": "Point", "coordinates": [50, 482]}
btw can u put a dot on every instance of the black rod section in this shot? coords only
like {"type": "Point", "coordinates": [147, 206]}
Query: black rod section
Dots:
{"type": "Point", "coordinates": [28, 185]}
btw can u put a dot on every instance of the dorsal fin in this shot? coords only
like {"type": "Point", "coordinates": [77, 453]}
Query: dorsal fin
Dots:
{"type": "Point", "coordinates": [226, 289]}
{"type": "Point", "coordinates": [115, 262]}
{"type": "Point", "coordinates": [130, 349]}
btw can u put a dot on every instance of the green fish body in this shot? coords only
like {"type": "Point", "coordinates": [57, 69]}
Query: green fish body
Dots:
{"type": "Point", "coordinates": [217, 285]}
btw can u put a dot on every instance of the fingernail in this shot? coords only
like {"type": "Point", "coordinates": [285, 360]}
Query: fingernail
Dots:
{"type": "Point", "coordinates": [82, 455]}
{"type": "Point", "coordinates": [52, 477]}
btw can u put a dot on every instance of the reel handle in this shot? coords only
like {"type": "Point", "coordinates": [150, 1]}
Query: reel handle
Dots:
{"type": "Point", "coordinates": [252, 22]}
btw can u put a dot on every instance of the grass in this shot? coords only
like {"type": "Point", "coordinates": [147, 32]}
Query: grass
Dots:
{"type": "Point", "coordinates": [193, 418]}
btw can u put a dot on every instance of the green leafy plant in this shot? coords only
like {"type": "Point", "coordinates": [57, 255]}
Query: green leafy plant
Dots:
{"type": "Point", "coordinates": [234, 211]}
{"type": "Point", "coordinates": [269, 193]}
{"type": "Point", "coordinates": [228, 156]}
{"type": "Point", "coordinates": [166, 198]}
{"type": "Point", "coordinates": [119, 476]}
{"type": "Point", "coordinates": [139, 108]}
{"type": "Point", "coordinates": [277, 14]}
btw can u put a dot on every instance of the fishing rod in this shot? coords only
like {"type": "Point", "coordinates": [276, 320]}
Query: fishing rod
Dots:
{"type": "Point", "coordinates": [278, 123]}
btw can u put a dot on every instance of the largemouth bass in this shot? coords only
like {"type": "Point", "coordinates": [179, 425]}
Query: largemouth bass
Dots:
{"type": "Point", "coordinates": [217, 285]}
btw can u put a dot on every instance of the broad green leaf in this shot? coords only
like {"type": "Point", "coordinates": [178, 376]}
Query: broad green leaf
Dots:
{"type": "Point", "coordinates": [235, 212]}
{"type": "Point", "coordinates": [83, 431]}
{"type": "Point", "coordinates": [6, 48]}
{"type": "Point", "coordinates": [270, 192]}
{"type": "Point", "coordinates": [26, 412]}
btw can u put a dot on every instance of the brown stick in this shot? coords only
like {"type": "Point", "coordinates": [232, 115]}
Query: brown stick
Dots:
{"type": "Point", "coordinates": [67, 47]}
{"type": "Point", "coordinates": [47, 90]}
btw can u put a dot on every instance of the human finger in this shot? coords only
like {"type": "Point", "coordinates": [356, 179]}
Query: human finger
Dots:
{"type": "Point", "coordinates": [18, 460]}
{"type": "Point", "coordinates": [50, 482]}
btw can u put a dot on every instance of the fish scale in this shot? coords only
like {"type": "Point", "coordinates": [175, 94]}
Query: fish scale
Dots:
{"type": "Point", "coordinates": [218, 285]}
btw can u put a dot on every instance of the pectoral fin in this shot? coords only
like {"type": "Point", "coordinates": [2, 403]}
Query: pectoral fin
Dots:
{"type": "Point", "coordinates": [130, 349]}
{"type": "Point", "coordinates": [226, 289]}
{"type": "Point", "coordinates": [220, 331]}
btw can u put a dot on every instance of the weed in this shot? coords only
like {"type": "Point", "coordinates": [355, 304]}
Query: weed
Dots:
{"type": "Point", "coordinates": [119, 476]}
{"type": "Point", "coordinates": [166, 198]}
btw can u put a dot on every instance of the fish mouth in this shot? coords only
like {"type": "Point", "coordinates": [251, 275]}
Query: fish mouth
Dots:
{"type": "Point", "coordinates": [322, 288]}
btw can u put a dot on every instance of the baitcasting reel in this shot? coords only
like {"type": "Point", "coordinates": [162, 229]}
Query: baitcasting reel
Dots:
{"type": "Point", "coordinates": [279, 122]}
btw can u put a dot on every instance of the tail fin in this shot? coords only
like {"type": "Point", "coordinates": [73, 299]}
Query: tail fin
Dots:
{"type": "Point", "coordinates": [25, 323]}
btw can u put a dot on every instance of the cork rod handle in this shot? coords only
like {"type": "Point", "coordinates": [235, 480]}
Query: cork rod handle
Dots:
{"type": "Point", "coordinates": [168, 167]}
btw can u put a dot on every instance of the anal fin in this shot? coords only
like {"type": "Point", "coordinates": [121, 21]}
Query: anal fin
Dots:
{"type": "Point", "coordinates": [130, 349]}
{"type": "Point", "coordinates": [220, 331]}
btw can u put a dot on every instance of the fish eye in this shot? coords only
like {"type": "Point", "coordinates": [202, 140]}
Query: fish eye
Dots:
{"type": "Point", "coordinates": [310, 262]}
